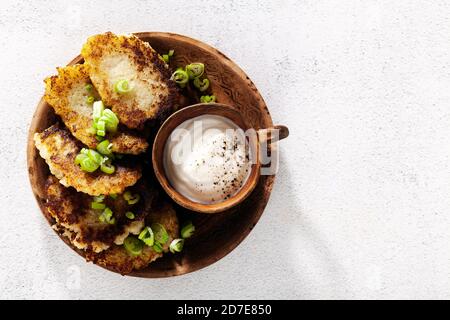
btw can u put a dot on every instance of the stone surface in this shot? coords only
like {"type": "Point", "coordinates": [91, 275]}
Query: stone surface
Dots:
{"type": "Point", "coordinates": [360, 208]}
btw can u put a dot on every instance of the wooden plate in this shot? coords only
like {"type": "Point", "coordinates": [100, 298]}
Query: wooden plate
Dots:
{"type": "Point", "coordinates": [216, 235]}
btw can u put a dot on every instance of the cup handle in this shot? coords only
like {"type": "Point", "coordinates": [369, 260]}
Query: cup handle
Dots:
{"type": "Point", "coordinates": [265, 135]}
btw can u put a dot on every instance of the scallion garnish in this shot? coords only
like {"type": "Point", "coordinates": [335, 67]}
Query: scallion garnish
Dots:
{"type": "Point", "coordinates": [133, 245]}
{"type": "Point", "coordinates": [166, 57]}
{"type": "Point", "coordinates": [195, 70]}
{"type": "Point", "coordinates": [113, 196]}
{"type": "Point", "coordinates": [88, 87]}
{"type": "Point", "coordinates": [99, 198]}
{"type": "Point", "coordinates": [188, 230]}
{"type": "Point", "coordinates": [88, 164]}
{"type": "Point", "coordinates": [161, 235]}
{"type": "Point", "coordinates": [97, 205]}
{"type": "Point", "coordinates": [107, 168]}
{"type": "Point", "coordinates": [147, 236]}
{"type": "Point", "coordinates": [208, 99]}
{"type": "Point", "coordinates": [157, 247]}
{"type": "Point", "coordinates": [122, 86]}
{"type": "Point", "coordinates": [181, 77]}
{"type": "Point", "coordinates": [90, 99]}
{"type": "Point", "coordinates": [176, 245]}
{"type": "Point", "coordinates": [129, 215]}
{"type": "Point", "coordinates": [107, 216]}
{"type": "Point", "coordinates": [201, 85]}
{"type": "Point", "coordinates": [104, 148]}
{"type": "Point", "coordinates": [131, 198]}
{"type": "Point", "coordinates": [97, 108]}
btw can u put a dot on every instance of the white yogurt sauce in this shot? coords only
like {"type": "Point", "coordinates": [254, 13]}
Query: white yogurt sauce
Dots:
{"type": "Point", "coordinates": [206, 159]}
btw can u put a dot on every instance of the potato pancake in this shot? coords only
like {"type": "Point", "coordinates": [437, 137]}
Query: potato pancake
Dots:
{"type": "Point", "coordinates": [59, 149]}
{"type": "Point", "coordinates": [111, 58]}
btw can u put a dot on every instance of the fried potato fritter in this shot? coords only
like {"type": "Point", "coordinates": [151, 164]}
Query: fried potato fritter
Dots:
{"type": "Point", "coordinates": [59, 149]}
{"type": "Point", "coordinates": [72, 211]}
{"type": "Point", "coordinates": [111, 58]}
{"type": "Point", "coordinates": [67, 94]}
{"type": "Point", "coordinates": [120, 260]}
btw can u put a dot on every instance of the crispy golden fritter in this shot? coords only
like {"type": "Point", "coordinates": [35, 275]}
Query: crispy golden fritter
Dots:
{"type": "Point", "coordinates": [67, 94]}
{"type": "Point", "coordinates": [73, 214]}
{"type": "Point", "coordinates": [118, 259]}
{"type": "Point", "coordinates": [59, 149]}
{"type": "Point", "coordinates": [110, 58]}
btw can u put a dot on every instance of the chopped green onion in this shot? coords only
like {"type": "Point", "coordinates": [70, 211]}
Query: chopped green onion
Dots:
{"type": "Point", "coordinates": [202, 85]}
{"type": "Point", "coordinates": [99, 198]}
{"type": "Point", "coordinates": [97, 110]}
{"type": "Point", "coordinates": [89, 165]}
{"type": "Point", "coordinates": [208, 99]}
{"type": "Point", "coordinates": [104, 148]}
{"type": "Point", "coordinates": [122, 86]}
{"type": "Point", "coordinates": [161, 235]}
{"type": "Point", "coordinates": [80, 157]}
{"type": "Point", "coordinates": [90, 99]}
{"type": "Point", "coordinates": [129, 215]}
{"type": "Point", "coordinates": [157, 247]}
{"type": "Point", "coordinates": [176, 245]}
{"type": "Point", "coordinates": [131, 198]}
{"type": "Point", "coordinates": [195, 70]}
{"type": "Point", "coordinates": [88, 87]}
{"type": "Point", "coordinates": [147, 236]}
{"type": "Point", "coordinates": [166, 57]}
{"type": "Point", "coordinates": [133, 245]}
{"type": "Point", "coordinates": [187, 230]}
{"type": "Point", "coordinates": [99, 139]}
{"type": "Point", "coordinates": [181, 77]}
{"type": "Point", "coordinates": [111, 120]}
{"type": "Point", "coordinates": [84, 151]}
{"type": "Point", "coordinates": [107, 168]}
{"type": "Point", "coordinates": [95, 156]}
{"type": "Point", "coordinates": [107, 216]}
{"type": "Point", "coordinates": [97, 205]}
{"type": "Point", "coordinates": [113, 196]}
{"type": "Point", "coordinates": [101, 128]}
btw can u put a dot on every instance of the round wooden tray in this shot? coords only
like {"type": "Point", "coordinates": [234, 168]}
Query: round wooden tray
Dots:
{"type": "Point", "coordinates": [216, 235]}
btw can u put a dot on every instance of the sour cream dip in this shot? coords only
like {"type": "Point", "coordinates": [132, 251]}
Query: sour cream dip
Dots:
{"type": "Point", "coordinates": [206, 159]}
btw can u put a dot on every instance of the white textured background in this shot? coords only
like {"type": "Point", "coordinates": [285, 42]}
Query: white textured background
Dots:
{"type": "Point", "coordinates": [361, 205]}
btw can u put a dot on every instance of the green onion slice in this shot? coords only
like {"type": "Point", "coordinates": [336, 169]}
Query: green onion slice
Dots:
{"type": "Point", "coordinates": [131, 198]}
{"type": "Point", "coordinates": [107, 216]}
{"type": "Point", "coordinates": [97, 205]}
{"type": "Point", "coordinates": [89, 165]}
{"type": "Point", "coordinates": [113, 196]}
{"type": "Point", "coordinates": [188, 230]}
{"type": "Point", "coordinates": [129, 215]}
{"type": "Point", "coordinates": [88, 87]}
{"type": "Point", "coordinates": [90, 99]}
{"type": "Point", "coordinates": [176, 245]}
{"type": "Point", "coordinates": [157, 247]}
{"type": "Point", "coordinates": [195, 70]}
{"type": "Point", "coordinates": [171, 52]}
{"type": "Point", "coordinates": [201, 85]}
{"type": "Point", "coordinates": [95, 156]}
{"type": "Point", "coordinates": [166, 58]}
{"type": "Point", "coordinates": [208, 99]}
{"type": "Point", "coordinates": [107, 168]}
{"type": "Point", "coordinates": [80, 157]}
{"type": "Point", "coordinates": [147, 236]}
{"type": "Point", "coordinates": [180, 76]}
{"type": "Point", "coordinates": [98, 108]}
{"type": "Point", "coordinates": [104, 148]}
{"type": "Point", "coordinates": [122, 87]}
{"type": "Point", "coordinates": [133, 245]}
{"type": "Point", "coordinates": [161, 235]}
{"type": "Point", "coordinates": [99, 198]}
